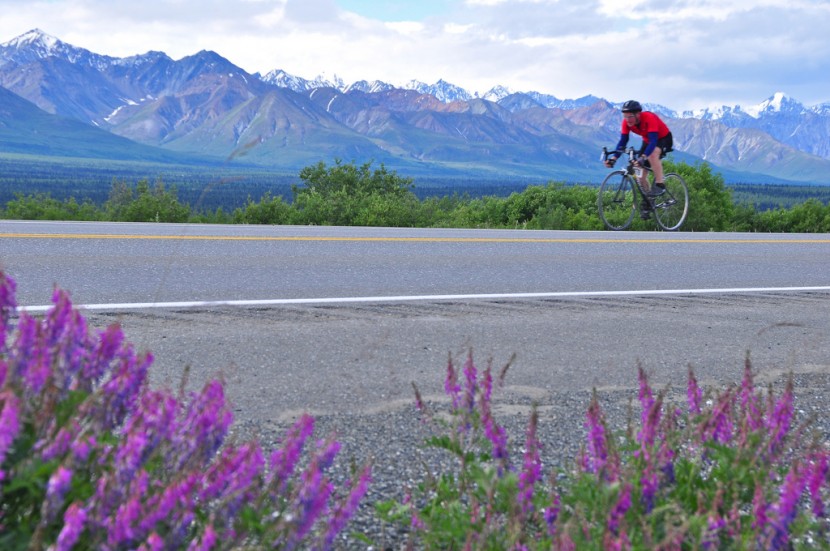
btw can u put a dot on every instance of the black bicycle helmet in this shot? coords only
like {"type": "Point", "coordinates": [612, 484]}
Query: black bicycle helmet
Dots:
{"type": "Point", "coordinates": [632, 106]}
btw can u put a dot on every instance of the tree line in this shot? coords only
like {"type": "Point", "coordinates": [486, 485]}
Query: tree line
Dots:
{"type": "Point", "coordinates": [348, 194]}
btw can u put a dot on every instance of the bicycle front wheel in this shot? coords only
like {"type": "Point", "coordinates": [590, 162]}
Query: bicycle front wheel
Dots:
{"type": "Point", "coordinates": [671, 208]}
{"type": "Point", "coordinates": [616, 201]}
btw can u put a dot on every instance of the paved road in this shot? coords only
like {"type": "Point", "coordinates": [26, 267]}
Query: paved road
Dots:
{"type": "Point", "coordinates": [103, 263]}
{"type": "Point", "coordinates": [280, 358]}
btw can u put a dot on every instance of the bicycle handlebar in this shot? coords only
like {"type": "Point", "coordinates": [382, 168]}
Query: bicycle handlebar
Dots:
{"type": "Point", "coordinates": [606, 155]}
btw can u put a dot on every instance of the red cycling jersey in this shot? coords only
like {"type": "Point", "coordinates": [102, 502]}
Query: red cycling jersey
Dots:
{"type": "Point", "coordinates": [649, 122]}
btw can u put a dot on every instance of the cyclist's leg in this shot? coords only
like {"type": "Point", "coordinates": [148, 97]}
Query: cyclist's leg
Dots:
{"type": "Point", "coordinates": [656, 164]}
{"type": "Point", "coordinates": [643, 180]}
{"type": "Point", "coordinates": [664, 145]}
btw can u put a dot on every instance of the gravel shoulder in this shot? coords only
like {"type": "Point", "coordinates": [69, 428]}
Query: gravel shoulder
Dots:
{"type": "Point", "coordinates": [352, 367]}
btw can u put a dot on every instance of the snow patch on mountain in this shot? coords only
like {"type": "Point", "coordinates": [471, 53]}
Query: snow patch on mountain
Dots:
{"type": "Point", "coordinates": [777, 103]}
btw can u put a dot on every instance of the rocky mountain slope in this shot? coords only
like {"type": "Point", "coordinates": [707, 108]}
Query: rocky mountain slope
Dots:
{"type": "Point", "coordinates": [205, 105]}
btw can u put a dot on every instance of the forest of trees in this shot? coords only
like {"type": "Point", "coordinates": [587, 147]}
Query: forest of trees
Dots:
{"type": "Point", "coordinates": [359, 195]}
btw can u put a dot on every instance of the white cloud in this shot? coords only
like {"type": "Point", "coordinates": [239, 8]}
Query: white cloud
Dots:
{"type": "Point", "coordinates": [683, 54]}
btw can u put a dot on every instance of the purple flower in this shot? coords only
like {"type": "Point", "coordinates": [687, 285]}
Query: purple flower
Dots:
{"type": "Point", "coordinates": [719, 425]}
{"type": "Point", "coordinates": [619, 510]}
{"type": "Point", "coordinates": [595, 456]}
{"type": "Point", "coordinates": [284, 460]}
{"type": "Point", "coordinates": [205, 425]}
{"type": "Point", "coordinates": [233, 478]}
{"type": "Point", "coordinates": [82, 447]}
{"type": "Point", "coordinates": [60, 444]}
{"type": "Point", "coordinates": [419, 400]}
{"type": "Point", "coordinates": [451, 386]}
{"type": "Point", "coordinates": [495, 434]}
{"type": "Point", "coordinates": [416, 523]}
{"type": "Point", "coordinates": [65, 338]}
{"type": "Point", "coordinates": [57, 320]}
{"type": "Point", "coordinates": [649, 482]}
{"type": "Point", "coordinates": [693, 394]}
{"type": "Point", "coordinates": [714, 525]}
{"type": "Point", "coordinates": [551, 514]}
{"type": "Point", "coordinates": [179, 495]}
{"type": "Point", "coordinates": [487, 385]}
{"type": "Point", "coordinates": [647, 434]}
{"type": "Point", "coordinates": [123, 526]}
{"type": "Point", "coordinates": [154, 543]}
{"type": "Point", "coordinates": [130, 455]}
{"type": "Point", "coordinates": [107, 347]}
{"type": "Point", "coordinates": [778, 421]}
{"type": "Point", "coordinates": [9, 423]}
{"type": "Point", "coordinates": [29, 359]}
{"type": "Point", "coordinates": [645, 395]}
{"type": "Point", "coordinates": [151, 423]}
{"type": "Point", "coordinates": [785, 510]}
{"type": "Point", "coordinates": [124, 386]}
{"type": "Point", "coordinates": [56, 488]}
{"type": "Point", "coordinates": [816, 479]}
{"type": "Point", "coordinates": [314, 492]}
{"type": "Point", "coordinates": [329, 450]}
{"type": "Point", "coordinates": [759, 508]}
{"type": "Point", "coordinates": [470, 386]}
{"type": "Point", "coordinates": [346, 510]}
{"type": "Point", "coordinates": [73, 525]}
{"type": "Point", "coordinates": [206, 541]}
{"type": "Point", "coordinates": [531, 467]}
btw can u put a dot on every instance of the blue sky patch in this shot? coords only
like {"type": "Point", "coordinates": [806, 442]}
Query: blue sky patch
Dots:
{"type": "Point", "coordinates": [397, 10]}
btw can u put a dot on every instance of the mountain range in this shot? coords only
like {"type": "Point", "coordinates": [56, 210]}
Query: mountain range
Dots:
{"type": "Point", "coordinates": [63, 101]}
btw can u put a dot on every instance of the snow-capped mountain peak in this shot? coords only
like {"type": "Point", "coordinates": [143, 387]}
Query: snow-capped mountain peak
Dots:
{"type": "Point", "coordinates": [497, 93]}
{"type": "Point", "coordinates": [369, 87]}
{"type": "Point", "coordinates": [36, 44]}
{"type": "Point", "coordinates": [777, 103]}
{"type": "Point", "coordinates": [323, 81]}
{"type": "Point", "coordinates": [35, 38]}
{"type": "Point", "coordinates": [442, 90]}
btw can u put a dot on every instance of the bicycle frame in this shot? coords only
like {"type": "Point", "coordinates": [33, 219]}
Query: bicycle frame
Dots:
{"type": "Point", "coordinates": [634, 170]}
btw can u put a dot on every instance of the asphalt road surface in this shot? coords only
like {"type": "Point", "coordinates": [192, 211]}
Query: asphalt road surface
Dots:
{"type": "Point", "coordinates": [331, 320]}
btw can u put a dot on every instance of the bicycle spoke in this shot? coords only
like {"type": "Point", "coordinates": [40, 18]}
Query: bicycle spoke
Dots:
{"type": "Point", "coordinates": [616, 201]}
{"type": "Point", "coordinates": [672, 210]}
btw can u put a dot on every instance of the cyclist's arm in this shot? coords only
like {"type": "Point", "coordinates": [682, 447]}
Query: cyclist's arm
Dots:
{"type": "Point", "coordinates": [622, 143]}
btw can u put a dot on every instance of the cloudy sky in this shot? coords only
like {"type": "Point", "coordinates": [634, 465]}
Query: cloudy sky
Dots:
{"type": "Point", "coordinates": [684, 54]}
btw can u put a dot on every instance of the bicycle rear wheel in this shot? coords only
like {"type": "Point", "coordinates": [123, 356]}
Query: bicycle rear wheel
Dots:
{"type": "Point", "coordinates": [616, 200]}
{"type": "Point", "coordinates": [671, 208]}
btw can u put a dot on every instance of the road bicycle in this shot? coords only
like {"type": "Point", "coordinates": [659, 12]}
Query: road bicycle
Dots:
{"type": "Point", "coordinates": [621, 193]}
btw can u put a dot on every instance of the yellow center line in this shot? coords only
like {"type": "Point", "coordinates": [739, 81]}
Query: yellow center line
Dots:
{"type": "Point", "coordinates": [407, 239]}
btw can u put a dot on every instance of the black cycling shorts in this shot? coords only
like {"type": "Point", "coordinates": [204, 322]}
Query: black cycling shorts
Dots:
{"type": "Point", "coordinates": [665, 144]}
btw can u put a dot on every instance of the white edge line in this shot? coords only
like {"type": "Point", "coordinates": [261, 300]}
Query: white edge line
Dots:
{"type": "Point", "coordinates": [413, 298]}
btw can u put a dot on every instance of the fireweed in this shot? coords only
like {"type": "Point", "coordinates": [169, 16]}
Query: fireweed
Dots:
{"type": "Point", "coordinates": [92, 458]}
{"type": "Point", "coordinates": [728, 470]}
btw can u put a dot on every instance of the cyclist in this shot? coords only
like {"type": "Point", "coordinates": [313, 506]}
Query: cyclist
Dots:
{"type": "Point", "coordinates": [657, 141]}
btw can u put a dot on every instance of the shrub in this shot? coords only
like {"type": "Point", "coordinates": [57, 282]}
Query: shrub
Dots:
{"type": "Point", "coordinates": [732, 471]}
{"type": "Point", "coordinates": [92, 458]}
{"type": "Point", "coordinates": [711, 207]}
{"type": "Point", "coordinates": [145, 203]}
{"type": "Point", "coordinates": [349, 195]}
